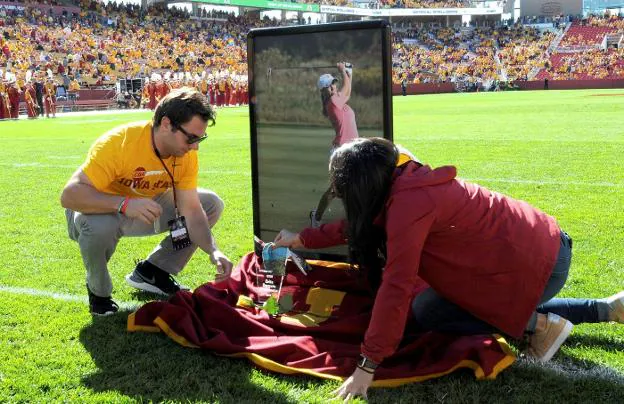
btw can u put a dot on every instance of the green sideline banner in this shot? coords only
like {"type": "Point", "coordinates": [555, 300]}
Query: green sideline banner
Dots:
{"type": "Point", "coordinates": [277, 5]}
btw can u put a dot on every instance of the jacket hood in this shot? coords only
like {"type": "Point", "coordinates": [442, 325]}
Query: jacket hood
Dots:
{"type": "Point", "coordinates": [414, 175]}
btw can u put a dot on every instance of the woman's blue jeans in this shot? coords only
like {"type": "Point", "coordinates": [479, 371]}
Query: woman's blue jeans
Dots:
{"type": "Point", "coordinates": [432, 312]}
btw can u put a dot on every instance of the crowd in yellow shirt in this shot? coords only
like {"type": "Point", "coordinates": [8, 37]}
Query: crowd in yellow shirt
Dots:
{"type": "Point", "coordinates": [480, 54]}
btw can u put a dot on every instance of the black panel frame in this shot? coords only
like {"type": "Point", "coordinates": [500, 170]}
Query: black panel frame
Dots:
{"type": "Point", "coordinates": [386, 43]}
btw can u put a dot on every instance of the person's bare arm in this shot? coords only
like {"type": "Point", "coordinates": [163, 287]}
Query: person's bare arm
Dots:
{"type": "Point", "coordinates": [80, 195]}
{"type": "Point", "coordinates": [200, 233]}
{"type": "Point", "coordinates": [345, 91]}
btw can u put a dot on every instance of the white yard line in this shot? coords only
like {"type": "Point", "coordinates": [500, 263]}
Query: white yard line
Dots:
{"type": "Point", "coordinates": [601, 184]}
{"type": "Point", "coordinates": [65, 157]}
{"type": "Point", "coordinates": [541, 182]}
{"type": "Point", "coordinates": [89, 113]}
{"type": "Point", "coordinates": [225, 172]}
{"type": "Point", "coordinates": [107, 112]}
{"type": "Point", "coordinates": [133, 305]}
{"type": "Point", "coordinates": [89, 121]}
{"type": "Point", "coordinates": [103, 112]}
{"type": "Point", "coordinates": [74, 166]}
{"type": "Point", "coordinates": [38, 165]}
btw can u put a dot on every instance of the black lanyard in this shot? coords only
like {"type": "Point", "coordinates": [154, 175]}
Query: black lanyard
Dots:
{"type": "Point", "coordinates": [175, 202]}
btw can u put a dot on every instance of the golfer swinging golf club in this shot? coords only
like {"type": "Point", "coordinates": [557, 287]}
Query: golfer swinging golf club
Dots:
{"type": "Point", "coordinates": [342, 118]}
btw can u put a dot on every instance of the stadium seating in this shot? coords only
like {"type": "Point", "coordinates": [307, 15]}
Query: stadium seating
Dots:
{"type": "Point", "coordinates": [581, 56]}
{"type": "Point", "coordinates": [584, 35]}
{"type": "Point", "coordinates": [589, 65]}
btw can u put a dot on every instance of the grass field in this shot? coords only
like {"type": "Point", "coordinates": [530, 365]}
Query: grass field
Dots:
{"type": "Point", "coordinates": [561, 151]}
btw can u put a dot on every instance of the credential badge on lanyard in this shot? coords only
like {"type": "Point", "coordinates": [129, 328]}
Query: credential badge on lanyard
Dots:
{"type": "Point", "coordinates": [179, 232]}
{"type": "Point", "coordinates": [177, 227]}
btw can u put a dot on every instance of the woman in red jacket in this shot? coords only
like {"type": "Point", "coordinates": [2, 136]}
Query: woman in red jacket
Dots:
{"type": "Point", "coordinates": [462, 259]}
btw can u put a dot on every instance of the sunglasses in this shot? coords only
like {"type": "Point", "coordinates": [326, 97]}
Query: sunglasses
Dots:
{"type": "Point", "coordinates": [191, 138]}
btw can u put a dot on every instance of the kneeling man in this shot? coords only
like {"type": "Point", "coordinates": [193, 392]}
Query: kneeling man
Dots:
{"type": "Point", "coordinates": [140, 179]}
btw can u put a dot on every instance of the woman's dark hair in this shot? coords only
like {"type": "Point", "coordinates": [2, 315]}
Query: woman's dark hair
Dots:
{"type": "Point", "coordinates": [325, 97]}
{"type": "Point", "coordinates": [181, 105]}
{"type": "Point", "coordinates": [361, 175]}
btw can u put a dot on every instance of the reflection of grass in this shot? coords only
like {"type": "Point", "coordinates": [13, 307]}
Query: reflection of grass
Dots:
{"type": "Point", "coordinates": [292, 96]}
{"type": "Point", "coordinates": [293, 165]}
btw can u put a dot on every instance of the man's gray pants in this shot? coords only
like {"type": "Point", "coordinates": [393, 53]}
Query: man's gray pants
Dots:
{"type": "Point", "coordinates": [98, 235]}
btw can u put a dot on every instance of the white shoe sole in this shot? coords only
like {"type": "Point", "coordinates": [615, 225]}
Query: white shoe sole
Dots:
{"type": "Point", "coordinates": [144, 286]}
{"type": "Point", "coordinates": [558, 342]}
{"type": "Point", "coordinates": [108, 313]}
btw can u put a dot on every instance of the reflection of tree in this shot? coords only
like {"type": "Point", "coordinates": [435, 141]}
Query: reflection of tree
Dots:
{"type": "Point", "coordinates": [356, 43]}
{"type": "Point", "coordinates": [286, 73]}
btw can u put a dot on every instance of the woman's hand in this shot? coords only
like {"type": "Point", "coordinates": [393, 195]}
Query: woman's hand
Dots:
{"type": "Point", "coordinates": [288, 239]}
{"type": "Point", "coordinates": [354, 386]}
{"type": "Point", "coordinates": [340, 66]}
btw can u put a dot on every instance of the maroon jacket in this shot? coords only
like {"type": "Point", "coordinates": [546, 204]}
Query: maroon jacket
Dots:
{"type": "Point", "coordinates": [490, 254]}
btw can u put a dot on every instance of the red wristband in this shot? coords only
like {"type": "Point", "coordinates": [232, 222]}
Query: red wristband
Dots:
{"type": "Point", "coordinates": [124, 205]}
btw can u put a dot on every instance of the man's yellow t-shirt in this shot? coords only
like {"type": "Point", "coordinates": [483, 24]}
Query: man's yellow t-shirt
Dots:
{"type": "Point", "coordinates": [123, 162]}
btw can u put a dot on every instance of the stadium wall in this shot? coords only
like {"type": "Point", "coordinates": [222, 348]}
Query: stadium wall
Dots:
{"type": "Point", "coordinates": [570, 84]}
{"type": "Point", "coordinates": [429, 88]}
{"type": "Point", "coordinates": [96, 94]}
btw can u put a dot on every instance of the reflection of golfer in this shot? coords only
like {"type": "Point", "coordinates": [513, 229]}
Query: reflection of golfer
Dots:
{"type": "Point", "coordinates": [342, 117]}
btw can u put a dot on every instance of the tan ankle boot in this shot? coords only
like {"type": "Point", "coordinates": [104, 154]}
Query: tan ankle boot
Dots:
{"type": "Point", "coordinates": [616, 307]}
{"type": "Point", "coordinates": [543, 344]}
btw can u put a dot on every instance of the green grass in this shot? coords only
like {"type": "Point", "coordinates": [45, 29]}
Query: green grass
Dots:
{"type": "Point", "coordinates": [561, 151]}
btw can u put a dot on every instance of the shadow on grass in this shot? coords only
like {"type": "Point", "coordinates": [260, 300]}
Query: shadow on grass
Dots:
{"type": "Point", "coordinates": [563, 380]}
{"type": "Point", "coordinates": [144, 296]}
{"type": "Point", "coordinates": [151, 367]}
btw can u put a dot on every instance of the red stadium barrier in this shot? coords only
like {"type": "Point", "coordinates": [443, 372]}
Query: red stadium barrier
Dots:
{"type": "Point", "coordinates": [570, 84]}
{"type": "Point", "coordinates": [532, 85]}
{"type": "Point", "coordinates": [96, 94]}
{"type": "Point", "coordinates": [431, 88]}
{"type": "Point", "coordinates": [428, 88]}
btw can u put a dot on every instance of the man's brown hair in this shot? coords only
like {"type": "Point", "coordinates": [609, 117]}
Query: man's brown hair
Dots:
{"type": "Point", "coordinates": [181, 105]}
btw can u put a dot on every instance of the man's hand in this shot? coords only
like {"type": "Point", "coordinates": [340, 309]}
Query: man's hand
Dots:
{"type": "Point", "coordinates": [145, 210]}
{"type": "Point", "coordinates": [288, 239]}
{"type": "Point", "coordinates": [223, 264]}
{"type": "Point", "coordinates": [354, 386]}
{"type": "Point", "coordinates": [340, 66]}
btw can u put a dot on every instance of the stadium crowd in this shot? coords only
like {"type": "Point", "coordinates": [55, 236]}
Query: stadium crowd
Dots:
{"type": "Point", "coordinates": [523, 49]}
{"type": "Point", "coordinates": [105, 42]}
{"type": "Point", "coordinates": [510, 53]}
{"type": "Point", "coordinates": [442, 54]}
{"type": "Point", "coordinates": [591, 31]}
{"type": "Point", "coordinates": [588, 65]}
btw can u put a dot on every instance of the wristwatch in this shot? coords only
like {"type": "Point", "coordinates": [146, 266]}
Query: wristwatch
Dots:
{"type": "Point", "coordinates": [367, 364]}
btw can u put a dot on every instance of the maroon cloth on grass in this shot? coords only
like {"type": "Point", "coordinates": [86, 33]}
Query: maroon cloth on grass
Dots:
{"type": "Point", "coordinates": [320, 335]}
